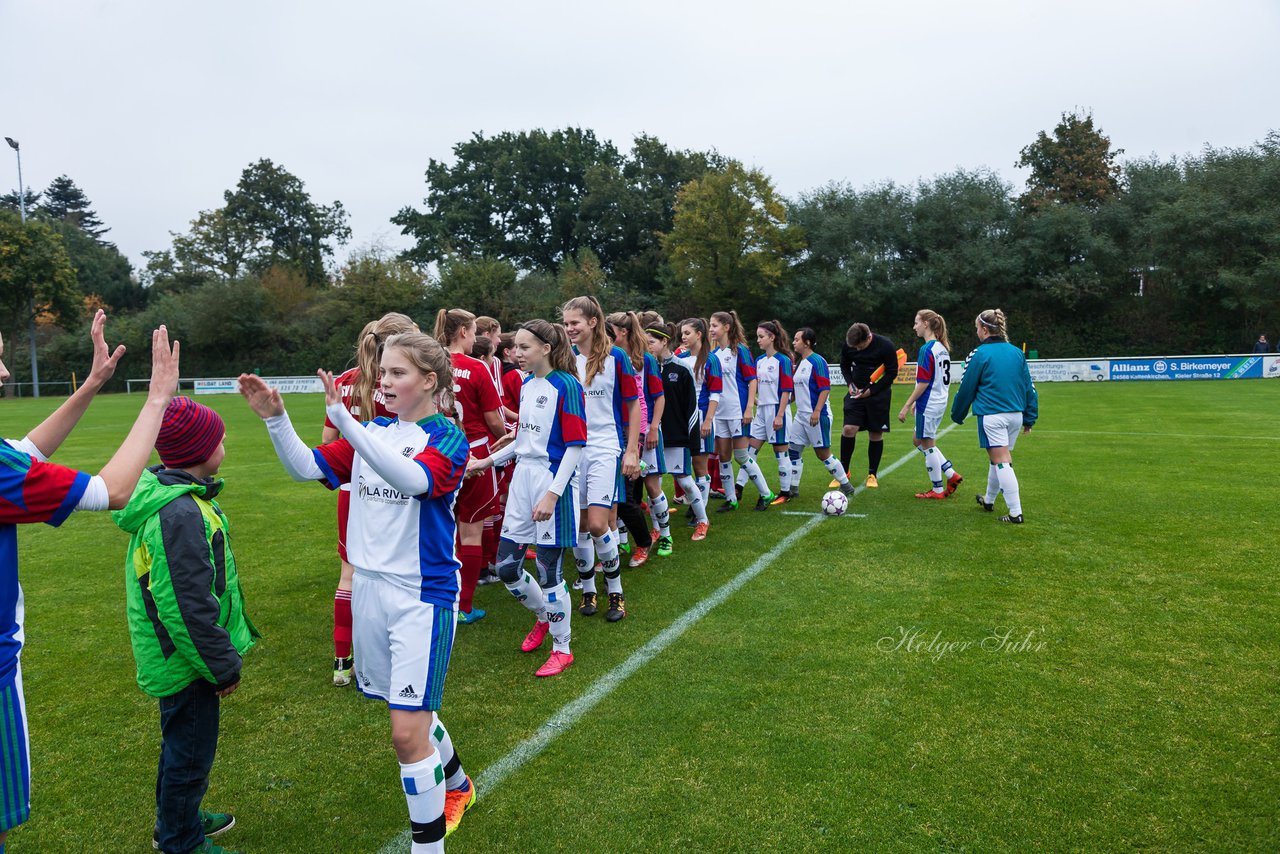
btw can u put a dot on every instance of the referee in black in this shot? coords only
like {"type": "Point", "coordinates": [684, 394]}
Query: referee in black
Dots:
{"type": "Point", "coordinates": [866, 406]}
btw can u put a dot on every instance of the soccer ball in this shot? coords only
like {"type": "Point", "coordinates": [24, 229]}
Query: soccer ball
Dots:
{"type": "Point", "coordinates": [834, 503]}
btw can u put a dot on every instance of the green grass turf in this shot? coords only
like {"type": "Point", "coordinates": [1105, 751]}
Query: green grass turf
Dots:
{"type": "Point", "coordinates": [1142, 715]}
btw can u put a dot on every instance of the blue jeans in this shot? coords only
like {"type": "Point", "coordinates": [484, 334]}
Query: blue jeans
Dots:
{"type": "Point", "coordinates": [189, 739]}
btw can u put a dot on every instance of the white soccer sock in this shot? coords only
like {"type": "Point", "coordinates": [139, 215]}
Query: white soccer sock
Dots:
{"type": "Point", "coordinates": [607, 549]}
{"type": "Point", "coordinates": [704, 487]}
{"type": "Point", "coordinates": [726, 478]}
{"type": "Point", "coordinates": [933, 467]}
{"type": "Point", "coordinates": [837, 470]}
{"type": "Point", "coordinates": [661, 514]}
{"type": "Point", "coordinates": [947, 468]}
{"type": "Point", "coordinates": [529, 594]}
{"type": "Point", "coordinates": [558, 609]}
{"type": "Point", "coordinates": [797, 466]}
{"type": "Point", "coordinates": [422, 790]}
{"type": "Point", "coordinates": [742, 472]}
{"type": "Point", "coordinates": [993, 484]}
{"type": "Point", "coordinates": [584, 557]}
{"type": "Point", "coordinates": [752, 469]}
{"type": "Point", "coordinates": [620, 533]}
{"type": "Point", "coordinates": [454, 777]}
{"type": "Point", "coordinates": [695, 497]}
{"type": "Point", "coordinates": [1009, 486]}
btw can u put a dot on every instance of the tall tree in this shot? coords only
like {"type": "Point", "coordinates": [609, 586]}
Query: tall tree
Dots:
{"type": "Point", "coordinates": [9, 201]}
{"type": "Point", "coordinates": [1074, 166]}
{"type": "Point", "coordinates": [34, 269]}
{"type": "Point", "coordinates": [63, 200]}
{"type": "Point", "coordinates": [730, 243]}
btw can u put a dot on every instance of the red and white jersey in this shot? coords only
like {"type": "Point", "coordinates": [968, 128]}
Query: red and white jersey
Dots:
{"type": "Point", "coordinates": [475, 393]}
{"type": "Point", "coordinates": [607, 393]}
{"type": "Point", "coordinates": [346, 384]}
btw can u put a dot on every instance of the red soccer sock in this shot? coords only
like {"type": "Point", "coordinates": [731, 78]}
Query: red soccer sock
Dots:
{"type": "Point", "coordinates": [472, 558]}
{"type": "Point", "coordinates": [713, 468]}
{"type": "Point", "coordinates": [489, 542]}
{"type": "Point", "coordinates": [342, 623]}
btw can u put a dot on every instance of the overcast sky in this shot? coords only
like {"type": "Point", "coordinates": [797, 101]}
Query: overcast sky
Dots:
{"type": "Point", "coordinates": [154, 108]}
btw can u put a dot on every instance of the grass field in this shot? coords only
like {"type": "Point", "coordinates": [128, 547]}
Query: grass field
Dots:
{"type": "Point", "coordinates": [1141, 713]}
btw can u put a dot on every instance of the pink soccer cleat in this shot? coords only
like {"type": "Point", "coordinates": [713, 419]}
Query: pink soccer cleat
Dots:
{"type": "Point", "coordinates": [536, 636]}
{"type": "Point", "coordinates": [558, 663]}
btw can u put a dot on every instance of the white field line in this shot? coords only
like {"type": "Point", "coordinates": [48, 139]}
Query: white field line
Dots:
{"type": "Point", "coordinates": [569, 714]}
{"type": "Point", "coordinates": [1214, 436]}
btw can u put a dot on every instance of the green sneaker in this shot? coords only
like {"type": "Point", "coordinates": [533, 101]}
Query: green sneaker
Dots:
{"type": "Point", "coordinates": [624, 548]}
{"type": "Point", "coordinates": [664, 547]}
{"type": "Point", "coordinates": [213, 823]}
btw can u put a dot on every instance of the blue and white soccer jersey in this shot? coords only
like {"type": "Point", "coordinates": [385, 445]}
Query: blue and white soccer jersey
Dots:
{"type": "Point", "coordinates": [933, 366]}
{"type": "Point", "coordinates": [606, 395]}
{"type": "Point", "coordinates": [551, 420]}
{"type": "Point", "coordinates": [812, 377]}
{"type": "Point", "coordinates": [773, 379]}
{"type": "Point", "coordinates": [404, 593]}
{"type": "Point", "coordinates": [737, 370]}
{"type": "Point", "coordinates": [1000, 430]}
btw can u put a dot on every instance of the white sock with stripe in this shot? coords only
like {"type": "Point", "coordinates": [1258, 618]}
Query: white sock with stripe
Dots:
{"type": "Point", "coordinates": [424, 792]}
{"type": "Point", "coordinates": [557, 598]}
{"type": "Point", "coordinates": [837, 470]}
{"type": "Point", "coordinates": [933, 467]}
{"type": "Point", "coordinates": [784, 471]}
{"type": "Point", "coordinates": [695, 497]}
{"type": "Point", "coordinates": [1009, 486]}
{"type": "Point", "coordinates": [661, 514]}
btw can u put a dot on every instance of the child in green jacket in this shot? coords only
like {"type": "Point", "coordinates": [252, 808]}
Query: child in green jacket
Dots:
{"type": "Point", "coordinates": [187, 621]}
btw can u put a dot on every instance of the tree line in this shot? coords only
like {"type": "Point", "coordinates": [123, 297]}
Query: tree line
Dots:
{"type": "Point", "coordinates": [1095, 255]}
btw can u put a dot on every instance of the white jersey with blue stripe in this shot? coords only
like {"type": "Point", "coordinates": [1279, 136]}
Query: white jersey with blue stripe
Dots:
{"type": "Point", "coordinates": [551, 419]}
{"type": "Point", "coordinates": [607, 393]}
{"type": "Point", "coordinates": [737, 369]}
{"type": "Point", "coordinates": [773, 377]}
{"type": "Point", "coordinates": [812, 377]}
{"type": "Point", "coordinates": [933, 366]}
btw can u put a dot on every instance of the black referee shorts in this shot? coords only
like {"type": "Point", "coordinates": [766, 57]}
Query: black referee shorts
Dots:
{"type": "Point", "coordinates": [869, 413]}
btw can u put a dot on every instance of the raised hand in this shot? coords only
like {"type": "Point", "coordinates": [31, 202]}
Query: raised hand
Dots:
{"type": "Point", "coordinates": [104, 360]}
{"type": "Point", "coordinates": [164, 365]}
{"type": "Point", "coordinates": [262, 399]}
{"type": "Point", "coordinates": [331, 393]}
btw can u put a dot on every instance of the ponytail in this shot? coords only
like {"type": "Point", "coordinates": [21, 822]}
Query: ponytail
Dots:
{"type": "Point", "coordinates": [729, 319]}
{"type": "Point", "coordinates": [450, 322]}
{"type": "Point", "coordinates": [630, 321]}
{"type": "Point", "coordinates": [369, 354]}
{"type": "Point", "coordinates": [936, 325]}
{"type": "Point", "coordinates": [993, 321]}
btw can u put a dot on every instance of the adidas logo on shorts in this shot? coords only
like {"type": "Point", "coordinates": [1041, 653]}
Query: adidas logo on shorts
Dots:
{"type": "Point", "coordinates": [407, 693]}
{"type": "Point", "coordinates": [546, 535]}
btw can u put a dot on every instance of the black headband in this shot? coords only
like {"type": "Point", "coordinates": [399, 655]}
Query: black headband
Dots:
{"type": "Point", "coordinates": [527, 328]}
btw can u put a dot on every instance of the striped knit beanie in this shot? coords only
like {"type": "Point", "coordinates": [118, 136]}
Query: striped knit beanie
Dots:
{"type": "Point", "coordinates": [189, 433]}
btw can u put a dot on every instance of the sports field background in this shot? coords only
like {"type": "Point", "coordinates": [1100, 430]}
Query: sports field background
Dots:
{"type": "Point", "coordinates": [1142, 714]}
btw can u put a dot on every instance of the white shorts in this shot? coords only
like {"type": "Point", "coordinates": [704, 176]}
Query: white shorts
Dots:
{"type": "Point", "coordinates": [529, 483]}
{"type": "Point", "coordinates": [805, 435]}
{"type": "Point", "coordinates": [999, 430]}
{"type": "Point", "coordinates": [655, 460]}
{"type": "Point", "coordinates": [679, 461]}
{"type": "Point", "coordinates": [928, 422]}
{"type": "Point", "coordinates": [402, 643]}
{"type": "Point", "coordinates": [706, 445]}
{"type": "Point", "coordinates": [762, 425]}
{"type": "Point", "coordinates": [597, 480]}
{"type": "Point", "coordinates": [729, 428]}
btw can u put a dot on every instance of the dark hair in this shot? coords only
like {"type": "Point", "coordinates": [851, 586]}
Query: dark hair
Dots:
{"type": "Point", "coordinates": [503, 346]}
{"type": "Point", "coordinates": [482, 348]}
{"type": "Point", "coordinates": [857, 333]}
{"type": "Point", "coordinates": [704, 343]}
{"type": "Point", "coordinates": [781, 342]}
{"type": "Point", "coordinates": [729, 319]}
{"type": "Point", "coordinates": [808, 336]}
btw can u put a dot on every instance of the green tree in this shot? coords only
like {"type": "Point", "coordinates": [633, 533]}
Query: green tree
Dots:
{"type": "Point", "coordinates": [63, 200]}
{"type": "Point", "coordinates": [730, 243]}
{"type": "Point", "coordinates": [1074, 166]}
{"type": "Point", "coordinates": [35, 269]}
{"type": "Point", "coordinates": [101, 270]}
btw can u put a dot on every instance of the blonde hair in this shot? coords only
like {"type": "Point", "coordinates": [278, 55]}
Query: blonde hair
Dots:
{"type": "Point", "coordinates": [698, 325]}
{"type": "Point", "coordinates": [553, 335]}
{"type": "Point", "coordinates": [729, 319]}
{"type": "Point", "coordinates": [369, 354]}
{"type": "Point", "coordinates": [450, 322]}
{"type": "Point", "coordinates": [589, 308]}
{"type": "Point", "coordinates": [781, 341]}
{"type": "Point", "coordinates": [994, 322]}
{"type": "Point", "coordinates": [936, 325]}
{"type": "Point", "coordinates": [635, 348]}
{"type": "Point", "coordinates": [430, 357]}
{"type": "Point", "coordinates": [486, 324]}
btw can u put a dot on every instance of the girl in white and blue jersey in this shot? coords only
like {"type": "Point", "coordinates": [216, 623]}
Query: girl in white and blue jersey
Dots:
{"type": "Point", "coordinates": [997, 384]}
{"type": "Point", "coordinates": [542, 510]}
{"type": "Point", "coordinates": [405, 474]}
{"type": "Point", "coordinates": [933, 377]}
{"type": "Point", "coordinates": [774, 390]}
{"type": "Point", "coordinates": [613, 436]}
{"type": "Point", "coordinates": [812, 424]}
{"type": "Point", "coordinates": [737, 407]}
{"type": "Point", "coordinates": [708, 384]}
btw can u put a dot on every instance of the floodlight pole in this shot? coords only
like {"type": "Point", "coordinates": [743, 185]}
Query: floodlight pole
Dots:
{"type": "Point", "coordinates": [31, 303]}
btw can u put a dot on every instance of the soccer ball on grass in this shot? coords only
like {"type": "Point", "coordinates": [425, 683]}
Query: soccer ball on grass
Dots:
{"type": "Point", "coordinates": [835, 503]}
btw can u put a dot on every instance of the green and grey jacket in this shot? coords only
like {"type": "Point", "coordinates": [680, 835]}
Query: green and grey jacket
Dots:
{"type": "Point", "coordinates": [186, 612]}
